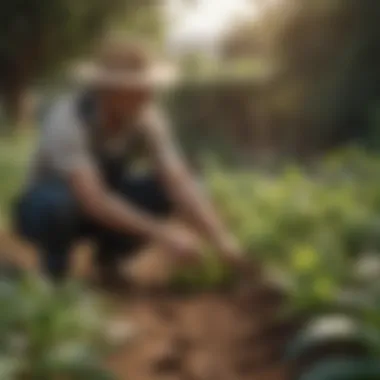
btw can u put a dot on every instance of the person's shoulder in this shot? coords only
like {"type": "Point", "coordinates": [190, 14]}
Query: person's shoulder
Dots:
{"type": "Point", "coordinates": [60, 107]}
{"type": "Point", "coordinates": [60, 112]}
{"type": "Point", "coordinates": [61, 131]}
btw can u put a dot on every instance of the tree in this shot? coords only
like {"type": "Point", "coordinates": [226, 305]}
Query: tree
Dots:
{"type": "Point", "coordinates": [241, 41]}
{"type": "Point", "coordinates": [329, 51]}
{"type": "Point", "coordinates": [147, 22]}
{"type": "Point", "coordinates": [37, 37]}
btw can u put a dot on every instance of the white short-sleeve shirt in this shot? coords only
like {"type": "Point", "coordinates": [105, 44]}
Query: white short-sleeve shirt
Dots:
{"type": "Point", "coordinates": [65, 143]}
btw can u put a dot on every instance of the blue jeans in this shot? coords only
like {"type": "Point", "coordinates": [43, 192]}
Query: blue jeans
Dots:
{"type": "Point", "coordinates": [49, 216]}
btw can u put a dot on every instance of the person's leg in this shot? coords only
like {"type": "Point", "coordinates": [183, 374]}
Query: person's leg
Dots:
{"type": "Point", "coordinates": [146, 193]}
{"type": "Point", "coordinates": [47, 216]}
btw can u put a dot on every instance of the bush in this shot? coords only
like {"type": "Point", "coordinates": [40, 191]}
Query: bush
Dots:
{"type": "Point", "coordinates": [14, 155]}
{"type": "Point", "coordinates": [49, 333]}
{"type": "Point", "coordinates": [310, 223]}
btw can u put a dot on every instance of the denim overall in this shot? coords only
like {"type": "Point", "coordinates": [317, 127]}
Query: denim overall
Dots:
{"type": "Point", "coordinates": [49, 216]}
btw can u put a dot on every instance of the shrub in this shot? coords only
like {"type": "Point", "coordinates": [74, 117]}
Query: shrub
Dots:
{"type": "Point", "coordinates": [311, 223]}
{"type": "Point", "coordinates": [49, 333]}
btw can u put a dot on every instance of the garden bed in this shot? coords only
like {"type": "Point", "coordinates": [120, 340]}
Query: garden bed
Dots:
{"type": "Point", "coordinates": [225, 334]}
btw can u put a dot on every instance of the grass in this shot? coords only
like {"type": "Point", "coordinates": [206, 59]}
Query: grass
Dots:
{"type": "Point", "coordinates": [14, 156]}
{"type": "Point", "coordinates": [49, 332]}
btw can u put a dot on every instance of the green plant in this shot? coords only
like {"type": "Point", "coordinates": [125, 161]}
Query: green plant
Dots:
{"type": "Point", "coordinates": [309, 222]}
{"type": "Point", "coordinates": [209, 275]}
{"type": "Point", "coordinates": [50, 333]}
{"type": "Point", "coordinates": [344, 369]}
{"type": "Point", "coordinates": [14, 153]}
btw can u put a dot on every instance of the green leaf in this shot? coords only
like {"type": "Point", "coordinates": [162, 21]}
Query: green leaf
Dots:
{"type": "Point", "coordinates": [344, 369]}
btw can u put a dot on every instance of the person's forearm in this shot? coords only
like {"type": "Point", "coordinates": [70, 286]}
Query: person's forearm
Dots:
{"type": "Point", "coordinates": [114, 212]}
{"type": "Point", "coordinates": [203, 215]}
{"type": "Point", "coordinates": [198, 209]}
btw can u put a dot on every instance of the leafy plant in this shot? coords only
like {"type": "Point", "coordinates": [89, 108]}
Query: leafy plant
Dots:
{"type": "Point", "coordinates": [309, 222]}
{"type": "Point", "coordinates": [50, 333]}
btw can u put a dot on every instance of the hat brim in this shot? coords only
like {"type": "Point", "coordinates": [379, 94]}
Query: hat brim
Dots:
{"type": "Point", "coordinates": [156, 77]}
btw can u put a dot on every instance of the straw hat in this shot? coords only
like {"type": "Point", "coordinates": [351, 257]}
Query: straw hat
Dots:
{"type": "Point", "coordinates": [124, 64]}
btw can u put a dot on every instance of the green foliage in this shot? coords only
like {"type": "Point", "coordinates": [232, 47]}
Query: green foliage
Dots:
{"type": "Point", "coordinates": [209, 275]}
{"type": "Point", "coordinates": [311, 224]}
{"type": "Point", "coordinates": [59, 28]}
{"type": "Point", "coordinates": [313, 68]}
{"type": "Point", "coordinates": [328, 51]}
{"type": "Point", "coordinates": [14, 155]}
{"type": "Point", "coordinates": [145, 21]}
{"type": "Point", "coordinates": [39, 37]}
{"type": "Point", "coordinates": [344, 369]}
{"type": "Point", "coordinates": [213, 111]}
{"type": "Point", "coordinates": [50, 333]}
{"type": "Point", "coordinates": [243, 40]}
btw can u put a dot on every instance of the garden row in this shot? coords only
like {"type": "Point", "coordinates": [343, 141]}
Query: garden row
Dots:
{"type": "Point", "coordinates": [317, 230]}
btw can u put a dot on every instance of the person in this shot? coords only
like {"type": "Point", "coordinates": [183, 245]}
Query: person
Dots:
{"type": "Point", "coordinates": [81, 181]}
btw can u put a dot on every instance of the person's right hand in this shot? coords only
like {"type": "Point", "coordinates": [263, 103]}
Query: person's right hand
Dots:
{"type": "Point", "coordinates": [184, 245]}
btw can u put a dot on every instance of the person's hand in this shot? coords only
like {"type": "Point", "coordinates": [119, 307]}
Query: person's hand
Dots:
{"type": "Point", "coordinates": [231, 252]}
{"type": "Point", "coordinates": [233, 256]}
{"type": "Point", "coordinates": [183, 244]}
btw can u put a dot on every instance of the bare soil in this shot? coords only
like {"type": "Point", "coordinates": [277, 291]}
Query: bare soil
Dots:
{"type": "Point", "coordinates": [217, 335]}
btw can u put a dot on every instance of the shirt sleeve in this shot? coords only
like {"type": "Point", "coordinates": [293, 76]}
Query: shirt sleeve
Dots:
{"type": "Point", "coordinates": [66, 144]}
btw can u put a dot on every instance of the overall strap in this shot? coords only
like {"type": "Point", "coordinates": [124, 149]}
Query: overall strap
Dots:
{"type": "Point", "coordinates": [112, 169]}
{"type": "Point", "coordinates": [87, 110]}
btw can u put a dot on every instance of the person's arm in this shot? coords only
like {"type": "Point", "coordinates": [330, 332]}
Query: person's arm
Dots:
{"type": "Point", "coordinates": [107, 208]}
{"type": "Point", "coordinates": [193, 203]}
{"type": "Point", "coordinates": [69, 156]}
{"type": "Point", "coordinates": [111, 211]}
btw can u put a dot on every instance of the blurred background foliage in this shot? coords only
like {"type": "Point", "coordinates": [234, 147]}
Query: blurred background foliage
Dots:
{"type": "Point", "coordinates": [320, 86]}
{"type": "Point", "coordinates": [50, 333]}
{"type": "Point", "coordinates": [39, 37]}
{"type": "Point", "coordinates": [312, 66]}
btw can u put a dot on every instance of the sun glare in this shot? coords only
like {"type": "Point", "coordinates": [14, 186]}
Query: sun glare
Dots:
{"type": "Point", "coordinates": [205, 19]}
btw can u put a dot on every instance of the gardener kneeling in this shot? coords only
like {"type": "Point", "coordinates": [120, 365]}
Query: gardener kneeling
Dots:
{"type": "Point", "coordinates": [80, 185]}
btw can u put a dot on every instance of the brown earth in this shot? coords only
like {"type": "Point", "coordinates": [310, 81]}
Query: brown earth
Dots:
{"type": "Point", "coordinates": [230, 335]}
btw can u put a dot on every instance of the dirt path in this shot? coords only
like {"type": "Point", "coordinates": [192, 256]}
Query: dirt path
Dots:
{"type": "Point", "coordinates": [221, 336]}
